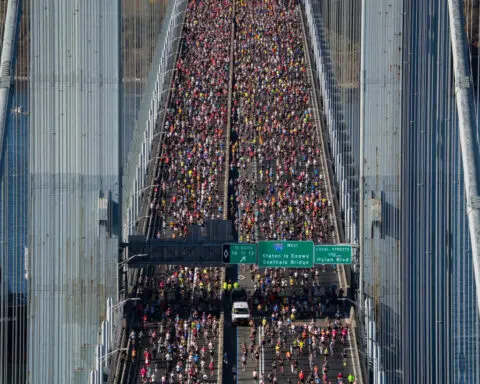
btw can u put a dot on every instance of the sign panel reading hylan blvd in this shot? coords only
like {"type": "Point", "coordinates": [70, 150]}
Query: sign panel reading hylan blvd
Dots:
{"type": "Point", "coordinates": [333, 254]}
{"type": "Point", "coordinates": [285, 254]}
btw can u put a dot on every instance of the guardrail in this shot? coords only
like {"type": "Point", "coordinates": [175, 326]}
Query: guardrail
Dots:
{"type": "Point", "coordinates": [148, 131]}
{"type": "Point", "coordinates": [338, 133]}
{"type": "Point", "coordinates": [332, 193]}
{"type": "Point", "coordinates": [148, 134]}
{"type": "Point", "coordinates": [358, 368]}
{"type": "Point", "coordinates": [119, 366]}
{"type": "Point", "coordinates": [152, 111]}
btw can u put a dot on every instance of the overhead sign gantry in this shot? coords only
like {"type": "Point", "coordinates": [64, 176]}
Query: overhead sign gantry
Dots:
{"type": "Point", "coordinates": [213, 244]}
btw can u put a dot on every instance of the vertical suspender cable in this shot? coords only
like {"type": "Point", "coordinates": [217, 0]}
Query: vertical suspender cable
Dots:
{"type": "Point", "coordinates": [6, 68]}
{"type": "Point", "coordinates": [361, 163]}
{"type": "Point", "coordinates": [6, 79]}
{"type": "Point", "coordinates": [467, 130]}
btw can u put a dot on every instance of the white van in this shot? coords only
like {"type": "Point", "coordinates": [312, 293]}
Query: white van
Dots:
{"type": "Point", "coordinates": [240, 312]}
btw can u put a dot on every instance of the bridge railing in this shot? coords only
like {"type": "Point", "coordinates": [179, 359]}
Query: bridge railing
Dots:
{"type": "Point", "coordinates": [147, 136]}
{"type": "Point", "coordinates": [148, 130]}
{"type": "Point", "coordinates": [344, 186]}
{"type": "Point", "coordinates": [338, 132]}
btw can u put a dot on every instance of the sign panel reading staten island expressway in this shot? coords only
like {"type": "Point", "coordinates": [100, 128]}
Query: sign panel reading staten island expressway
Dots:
{"type": "Point", "coordinates": [285, 254]}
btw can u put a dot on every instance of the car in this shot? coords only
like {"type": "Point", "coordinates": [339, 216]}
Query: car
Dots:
{"type": "Point", "coordinates": [240, 313]}
{"type": "Point", "coordinates": [238, 294]}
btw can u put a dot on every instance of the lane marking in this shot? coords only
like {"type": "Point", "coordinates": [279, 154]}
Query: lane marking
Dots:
{"type": "Point", "coordinates": [259, 346]}
{"type": "Point", "coordinates": [262, 355]}
{"type": "Point", "coordinates": [238, 354]}
{"type": "Point", "coordinates": [241, 277]}
{"type": "Point", "coordinates": [189, 341]}
{"type": "Point", "coordinates": [352, 356]}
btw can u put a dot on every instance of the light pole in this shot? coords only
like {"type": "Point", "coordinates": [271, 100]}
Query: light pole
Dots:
{"type": "Point", "coordinates": [101, 358]}
{"type": "Point", "coordinates": [354, 303]}
{"type": "Point", "coordinates": [141, 218]}
{"type": "Point", "coordinates": [111, 323]}
{"type": "Point", "coordinates": [96, 375]}
{"type": "Point", "coordinates": [148, 186]}
{"type": "Point", "coordinates": [122, 263]}
{"type": "Point", "coordinates": [349, 300]}
{"type": "Point", "coordinates": [120, 304]}
{"type": "Point", "coordinates": [138, 192]}
{"type": "Point", "coordinates": [164, 73]}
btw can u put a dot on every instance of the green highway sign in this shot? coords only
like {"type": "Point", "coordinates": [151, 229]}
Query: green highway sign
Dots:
{"type": "Point", "coordinates": [239, 253]}
{"type": "Point", "coordinates": [285, 254]}
{"type": "Point", "coordinates": [333, 254]}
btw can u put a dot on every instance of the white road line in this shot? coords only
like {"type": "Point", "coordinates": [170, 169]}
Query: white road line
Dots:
{"type": "Point", "coordinates": [261, 360]}
{"type": "Point", "coordinates": [257, 213]}
{"type": "Point", "coordinates": [189, 340]}
{"type": "Point", "coordinates": [190, 330]}
{"type": "Point", "coordinates": [263, 352]}
{"type": "Point", "coordinates": [352, 356]}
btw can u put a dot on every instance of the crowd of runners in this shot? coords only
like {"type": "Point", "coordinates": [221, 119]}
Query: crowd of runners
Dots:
{"type": "Point", "coordinates": [188, 185]}
{"type": "Point", "coordinates": [175, 337]}
{"type": "Point", "coordinates": [289, 342]}
{"type": "Point", "coordinates": [291, 311]}
{"type": "Point", "coordinates": [278, 191]}
{"type": "Point", "coordinates": [293, 294]}
{"type": "Point", "coordinates": [280, 185]}
{"type": "Point", "coordinates": [276, 175]}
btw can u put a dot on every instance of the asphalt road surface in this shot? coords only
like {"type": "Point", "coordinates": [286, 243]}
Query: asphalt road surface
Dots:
{"type": "Point", "coordinates": [183, 306]}
{"type": "Point", "coordinates": [267, 354]}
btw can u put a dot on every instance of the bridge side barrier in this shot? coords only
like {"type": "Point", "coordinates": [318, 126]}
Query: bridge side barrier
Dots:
{"type": "Point", "coordinates": [119, 366]}
{"type": "Point", "coordinates": [357, 368]}
{"type": "Point", "coordinates": [338, 134]}
{"type": "Point", "coordinates": [345, 196]}
{"type": "Point", "coordinates": [153, 108]}
{"type": "Point", "coordinates": [332, 195]}
{"type": "Point", "coordinates": [152, 167]}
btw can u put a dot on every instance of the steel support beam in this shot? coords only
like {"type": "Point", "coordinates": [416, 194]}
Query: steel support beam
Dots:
{"type": "Point", "coordinates": [467, 130]}
{"type": "Point", "coordinates": [6, 64]}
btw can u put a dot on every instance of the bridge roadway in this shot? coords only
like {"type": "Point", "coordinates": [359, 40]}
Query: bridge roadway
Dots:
{"type": "Point", "coordinates": [241, 334]}
{"type": "Point", "coordinates": [260, 164]}
{"type": "Point", "coordinates": [279, 182]}
{"type": "Point", "coordinates": [174, 305]}
{"type": "Point", "coordinates": [188, 181]}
